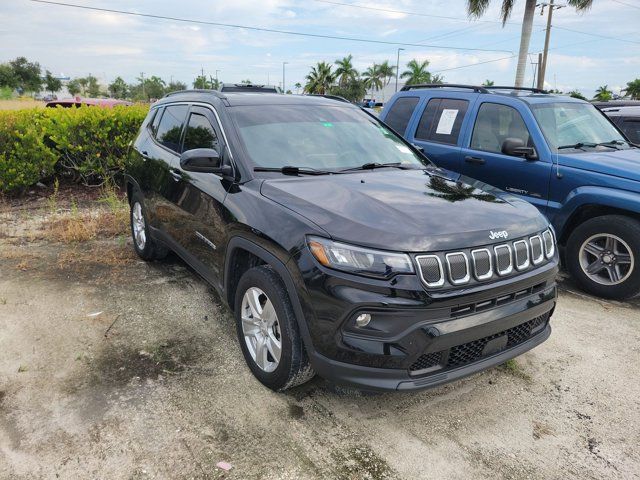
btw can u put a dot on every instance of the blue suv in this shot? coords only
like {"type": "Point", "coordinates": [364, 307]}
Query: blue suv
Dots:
{"type": "Point", "coordinates": [559, 153]}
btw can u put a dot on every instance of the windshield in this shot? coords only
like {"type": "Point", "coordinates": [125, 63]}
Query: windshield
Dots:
{"type": "Point", "coordinates": [318, 137]}
{"type": "Point", "coordinates": [566, 124]}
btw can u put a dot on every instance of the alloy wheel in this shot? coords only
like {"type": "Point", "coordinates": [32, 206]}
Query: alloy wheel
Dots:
{"type": "Point", "coordinates": [606, 259]}
{"type": "Point", "coordinates": [138, 225]}
{"type": "Point", "coordinates": [261, 329]}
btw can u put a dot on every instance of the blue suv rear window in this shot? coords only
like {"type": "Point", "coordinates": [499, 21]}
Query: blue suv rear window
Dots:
{"type": "Point", "coordinates": [441, 120]}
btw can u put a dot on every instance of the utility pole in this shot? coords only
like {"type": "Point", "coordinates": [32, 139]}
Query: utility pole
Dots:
{"type": "Point", "coordinates": [542, 69]}
{"type": "Point", "coordinates": [142, 80]}
{"type": "Point", "coordinates": [398, 67]}
{"type": "Point", "coordinates": [284, 89]}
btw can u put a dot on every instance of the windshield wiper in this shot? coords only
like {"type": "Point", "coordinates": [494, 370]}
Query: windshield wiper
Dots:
{"type": "Point", "coordinates": [581, 145]}
{"type": "Point", "coordinates": [373, 165]}
{"type": "Point", "coordinates": [611, 144]}
{"type": "Point", "coordinates": [290, 170]}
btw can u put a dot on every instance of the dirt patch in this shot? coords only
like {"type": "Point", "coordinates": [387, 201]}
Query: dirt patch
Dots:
{"type": "Point", "coordinates": [117, 365]}
{"type": "Point", "coordinates": [112, 367]}
{"type": "Point", "coordinates": [361, 463]}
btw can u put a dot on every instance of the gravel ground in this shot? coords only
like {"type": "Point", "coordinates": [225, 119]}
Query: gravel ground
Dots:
{"type": "Point", "coordinates": [114, 368]}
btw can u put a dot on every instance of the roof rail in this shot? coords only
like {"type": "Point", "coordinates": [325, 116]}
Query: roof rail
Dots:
{"type": "Point", "coordinates": [526, 89]}
{"type": "Point", "coordinates": [331, 97]}
{"type": "Point", "coordinates": [475, 88]}
{"type": "Point", "coordinates": [198, 90]}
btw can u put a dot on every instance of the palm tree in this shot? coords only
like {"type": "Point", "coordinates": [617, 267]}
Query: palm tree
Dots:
{"type": "Point", "coordinates": [577, 94]}
{"type": "Point", "coordinates": [386, 73]}
{"type": "Point", "coordinates": [372, 78]}
{"type": "Point", "coordinates": [437, 78]}
{"type": "Point", "coordinates": [488, 83]}
{"type": "Point", "coordinates": [298, 86]}
{"type": "Point", "coordinates": [416, 73]}
{"type": "Point", "coordinates": [633, 89]}
{"type": "Point", "coordinates": [603, 94]}
{"type": "Point", "coordinates": [477, 8]}
{"type": "Point", "coordinates": [319, 79]}
{"type": "Point", "coordinates": [345, 71]}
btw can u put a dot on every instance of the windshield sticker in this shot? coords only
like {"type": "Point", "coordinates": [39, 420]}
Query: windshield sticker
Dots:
{"type": "Point", "coordinates": [447, 119]}
{"type": "Point", "coordinates": [327, 124]}
{"type": "Point", "coordinates": [403, 149]}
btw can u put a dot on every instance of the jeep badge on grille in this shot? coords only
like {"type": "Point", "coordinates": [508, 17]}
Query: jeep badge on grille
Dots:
{"type": "Point", "coordinates": [501, 234]}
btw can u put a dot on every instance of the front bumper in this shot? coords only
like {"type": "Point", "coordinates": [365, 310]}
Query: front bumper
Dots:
{"type": "Point", "coordinates": [417, 339]}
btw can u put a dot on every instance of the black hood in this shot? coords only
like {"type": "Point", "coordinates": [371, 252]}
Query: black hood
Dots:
{"type": "Point", "coordinates": [405, 210]}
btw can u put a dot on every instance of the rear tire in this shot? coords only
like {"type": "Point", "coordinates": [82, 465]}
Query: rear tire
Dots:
{"type": "Point", "coordinates": [603, 256]}
{"type": "Point", "coordinates": [268, 331]}
{"type": "Point", "coordinates": [145, 246]}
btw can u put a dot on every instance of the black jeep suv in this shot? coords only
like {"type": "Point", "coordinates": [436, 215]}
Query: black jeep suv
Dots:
{"type": "Point", "coordinates": [340, 249]}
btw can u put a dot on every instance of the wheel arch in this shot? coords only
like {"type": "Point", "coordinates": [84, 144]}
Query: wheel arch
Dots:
{"type": "Point", "coordinates": [250, 254]}
{"type": "Point", "coordinates": [587, 212]}
{"type": "Point", "coordinates": [586, 203]}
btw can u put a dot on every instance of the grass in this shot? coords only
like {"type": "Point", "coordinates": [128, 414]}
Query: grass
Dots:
{"type": "Point", "coordinates": [20, 103]}
{"type": "Point", "coordinates": [76, 226]}
{"type": "Point", "coordinates": [512, 367]}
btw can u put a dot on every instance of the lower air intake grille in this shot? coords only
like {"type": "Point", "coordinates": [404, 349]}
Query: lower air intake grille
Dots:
{"type": "Point", "coordinates": [473, 351]}
{"type": "Point", "coordinates": [425, 361]}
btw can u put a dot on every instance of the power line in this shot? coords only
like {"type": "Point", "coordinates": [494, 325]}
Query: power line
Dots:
{"type": "Point", "coordinates": [261, 29]}
{"type": "Point", "coordinates": [459, 19]}
{"type": "Point", "coordinates": [627, 4]}
{"type": "Point", "coordinates": [474, 64]}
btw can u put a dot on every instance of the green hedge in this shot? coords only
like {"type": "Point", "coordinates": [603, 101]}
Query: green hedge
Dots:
{"type": "Point", "coordinates": [87, 143]}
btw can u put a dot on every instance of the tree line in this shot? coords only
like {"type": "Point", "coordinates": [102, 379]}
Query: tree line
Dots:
{"type": "Point", "coordinates": [340, 78]}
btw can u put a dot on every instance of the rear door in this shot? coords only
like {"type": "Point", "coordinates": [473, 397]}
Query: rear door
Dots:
{"type": "Point", "coordinates": [161, 155]}
{"type": "Point", "coordinates": [437, 130]}
{"type": "Point", "coordinates": [483, 159]}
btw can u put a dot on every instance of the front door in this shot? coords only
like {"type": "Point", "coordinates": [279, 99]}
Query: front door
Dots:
{"type": "Point", "coordinates": [483, 158]}
{"type": "Point", "coordinates": [201, 231]}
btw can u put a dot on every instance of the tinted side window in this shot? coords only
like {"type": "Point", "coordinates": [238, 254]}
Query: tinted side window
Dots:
{"type": "Point", "coordinates": [400, 113]}
{"type": "Point", "coordinates": [442, 120]}
{"type": "Point", "coordinates": [631, 128]}
{"type": "Point", "coordinates": [494, 124]}
{"type": "Point", "coordinates": [199, 133]}
{"type": "Point", "coordinates": [156, 121]}
{"type": "Point", "coordinates": [170, 127]}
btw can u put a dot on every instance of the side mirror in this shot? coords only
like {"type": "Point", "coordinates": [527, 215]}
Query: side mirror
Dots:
{"type": "Point", "coordinates": [204, 160]}
{"type": "Point", "coordinates": [515, 147]}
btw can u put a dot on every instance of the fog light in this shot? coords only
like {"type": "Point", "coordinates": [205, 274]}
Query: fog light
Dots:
{"type": "Point", "coordinates": [363, 319]}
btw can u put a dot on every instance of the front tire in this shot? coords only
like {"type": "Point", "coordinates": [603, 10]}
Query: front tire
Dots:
{"type": "Point", "coordinates": [268, 331]}
{"type": "Point", "coordinates": [603, 256]}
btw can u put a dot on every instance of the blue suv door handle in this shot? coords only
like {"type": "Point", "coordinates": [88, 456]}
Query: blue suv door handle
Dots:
{"type": "Point", "coordinates": [475, 160]}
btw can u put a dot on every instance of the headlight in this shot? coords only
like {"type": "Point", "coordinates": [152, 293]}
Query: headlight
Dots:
{"type": "Point", "coordinates": [362, 261]}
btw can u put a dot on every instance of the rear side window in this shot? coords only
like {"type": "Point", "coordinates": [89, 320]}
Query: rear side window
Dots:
{"type": "Point", "coordinates": [400, 113]}
{"type": "Point", "coordinates": [156, 121]}
{"type": "Point", "coordinates": [631, 128]}
{"type": "Point", "coordinates": [200, 133]}
{"type": "Point", "coordinates": [170, 126]}
{"type": "Point", "coordinates": [494, 124]}
{"type": "Point", "coordinates": [442, 120]}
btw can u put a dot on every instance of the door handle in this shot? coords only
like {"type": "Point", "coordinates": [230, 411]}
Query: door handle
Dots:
{"type": "Point", "coordinates": [474, 160]}
{"type": "Point", "coordinates": [177, 176]}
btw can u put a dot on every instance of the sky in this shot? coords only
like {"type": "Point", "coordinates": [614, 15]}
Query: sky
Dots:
{"type": "Point", "coordinates": [601, 46]}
